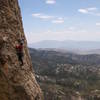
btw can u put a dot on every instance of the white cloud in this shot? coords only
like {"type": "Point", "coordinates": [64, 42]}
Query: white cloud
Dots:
{"type": "Point", "coordinates": [46, 17]}
{"type": "Point", "coordinates": [42, 16]}
{"type": "Point", "coordinates": [84, 11]}
{"type": "Point", "coordinates": [59, 20]}
{"type": "Point", "coordinates": [92, 11]}
{"type": "Point", "coordinates": [36, 14]}
{"type": "Point", "coordinates": [72, 28]}
{"type": "Point", "coordinates": [98, 24]}
{"type": "Point", "coordinates": [52, 19]}
{"type": "Point", "coordinates": [50, 1]}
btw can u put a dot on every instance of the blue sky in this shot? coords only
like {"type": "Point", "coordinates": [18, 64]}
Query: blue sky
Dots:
{"type": "Point", "coordinates": [61, 20]}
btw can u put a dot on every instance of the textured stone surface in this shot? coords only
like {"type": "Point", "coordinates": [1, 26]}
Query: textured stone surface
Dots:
{"type": "Point", "coordinates": [16, 82]}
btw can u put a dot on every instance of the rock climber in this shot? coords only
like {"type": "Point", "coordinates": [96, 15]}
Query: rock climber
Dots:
{"type": "Point", "coordinates": [19, 49]}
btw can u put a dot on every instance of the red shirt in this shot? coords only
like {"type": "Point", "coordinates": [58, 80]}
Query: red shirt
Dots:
{"type": "Point", "coordinates": [19, 48]}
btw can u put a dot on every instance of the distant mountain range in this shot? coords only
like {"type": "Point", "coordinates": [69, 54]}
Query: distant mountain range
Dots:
{"type": "Point", "coordinates": [69, 45]}
{"type": "Point", "coordinates": [80, 47]}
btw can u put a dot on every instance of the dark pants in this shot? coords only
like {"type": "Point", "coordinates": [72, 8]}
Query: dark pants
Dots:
{"type": "Point", "coordinates": [20, 57]}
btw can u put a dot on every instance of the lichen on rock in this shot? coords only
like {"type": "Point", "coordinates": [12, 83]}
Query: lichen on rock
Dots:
{"type": "Point", "coordinates": [16, 82]}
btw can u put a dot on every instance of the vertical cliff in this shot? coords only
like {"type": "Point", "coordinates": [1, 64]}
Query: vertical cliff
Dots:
{"type": "Point", "coordinates": [16, 82]}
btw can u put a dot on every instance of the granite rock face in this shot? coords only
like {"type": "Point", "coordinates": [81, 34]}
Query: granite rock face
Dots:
{"type": "Point", "coordinates": [16, 82]}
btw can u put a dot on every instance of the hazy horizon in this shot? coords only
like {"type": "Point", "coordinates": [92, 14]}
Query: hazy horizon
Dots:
{"type": "Point", "coordinates": [67, 45]}
{"type": "Point", "coordinates": [65, 40]}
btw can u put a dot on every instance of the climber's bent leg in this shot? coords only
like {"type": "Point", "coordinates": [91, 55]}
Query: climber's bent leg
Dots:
{"type": "Point", "coordinates": [20, 58]}
{"type": "Point", "coordinates": [21, 61]}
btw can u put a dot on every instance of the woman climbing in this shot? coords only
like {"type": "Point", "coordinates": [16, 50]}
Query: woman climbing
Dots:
{"type": "Point", "coordinates": [19, 49]}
